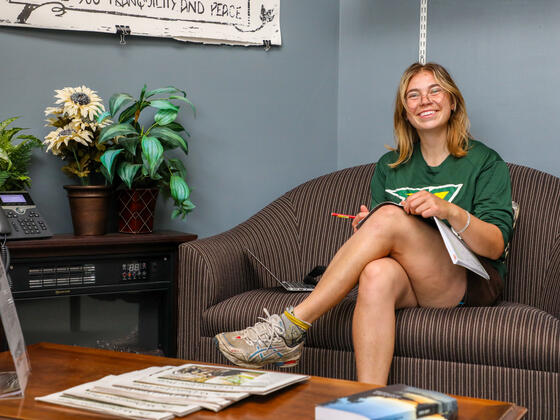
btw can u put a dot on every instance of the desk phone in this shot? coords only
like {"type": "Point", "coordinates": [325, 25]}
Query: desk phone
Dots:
{"type": "Point", "coordinates": [20, 218]}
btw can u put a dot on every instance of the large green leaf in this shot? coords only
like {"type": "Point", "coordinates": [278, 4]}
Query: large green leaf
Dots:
{"type": "Point", "coordinates": [185, 99]}
{"type": "Point", "coordinates": [130, 144]}
{"type": "Point", "coordinates": [176, 165]}
{"type": "Point", "coordinates": [101, 117]}
{"type": "Point", "coordinates": [168, 89]}
{"type": "Point", "coordinates": [165, 116]}
{"type": "Point", "coordinates": [115, 130]}
{"type": "Point", "coordinates": [179, 189]}
{"type": "Point", "coordinates": [170, 138]}
{"type": "Point", "coordinates": [152, 154]}
{"type": "Point", "coordinates": [128, 113]}
{"type": "Point", "coordinates": [127, 171]}
{"type": "Point", "coordinates": [117, 100]}
{"type": "Point", "coordinates": [143, 93]}
{"type": "Point", "coordinates": [163, 104]}
{"type": "Point", "coordinates": [175, 126]}
{"type": "Point", "coordinates": [108, 160]}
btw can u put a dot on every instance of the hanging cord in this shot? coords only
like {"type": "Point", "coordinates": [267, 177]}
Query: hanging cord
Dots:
{"type": "Point", "coordinates": [423, 31]}
{"type": "Point", "coordinates": [5, 255]}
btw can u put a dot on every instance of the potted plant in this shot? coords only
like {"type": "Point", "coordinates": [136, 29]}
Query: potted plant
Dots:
{"type": "Point", "coordinates": [15, 158]}
{"type": "Point", "coordinates": [75, 139]}
{"type": "Point", "coordinates": [135, 160]}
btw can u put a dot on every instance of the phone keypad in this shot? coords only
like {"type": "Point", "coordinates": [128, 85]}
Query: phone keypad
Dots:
{"type": "Point", "coordinates": [28, 225]}
{"type": "Point", "coordinates": [30, 222]}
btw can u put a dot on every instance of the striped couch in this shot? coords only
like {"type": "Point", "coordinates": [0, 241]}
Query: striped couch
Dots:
{"type": "Point", "coordinates": [509, 352]}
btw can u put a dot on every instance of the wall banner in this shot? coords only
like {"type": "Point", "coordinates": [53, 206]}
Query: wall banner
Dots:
{"type": "Point", "coordinates": [235, 22]}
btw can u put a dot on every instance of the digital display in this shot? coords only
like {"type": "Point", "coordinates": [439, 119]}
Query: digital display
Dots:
{"type": "Point", "coordinates": [12, 198]}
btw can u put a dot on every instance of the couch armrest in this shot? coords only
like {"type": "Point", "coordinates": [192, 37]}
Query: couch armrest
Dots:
{"type": "Point", "coordinates": [214, 269]}
{"type": "Point", "coordinates": [551, 296]}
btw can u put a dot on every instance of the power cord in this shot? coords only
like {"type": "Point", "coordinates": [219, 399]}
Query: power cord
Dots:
{"type": "Point", "coordinates": [5, 255]}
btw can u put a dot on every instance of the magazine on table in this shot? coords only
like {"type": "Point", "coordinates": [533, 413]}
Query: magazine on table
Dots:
{"type": "Point", "coordinates": [458, 250]}
{"type": "Point", "coordinates": [215, 378]}
{"type": "Point", "coordinates": [165, 392]}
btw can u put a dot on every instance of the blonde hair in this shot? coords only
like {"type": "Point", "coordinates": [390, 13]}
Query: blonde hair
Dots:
{"type": "Point", "coordinates": [457, 127]}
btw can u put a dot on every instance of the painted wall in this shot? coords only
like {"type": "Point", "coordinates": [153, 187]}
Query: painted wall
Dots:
{"type": "Point", "coordinates": [266, 120]}
{"type": "Point", "coordinates": [324, 100]}
{"type": "Point", "coordinates": [503, 54]}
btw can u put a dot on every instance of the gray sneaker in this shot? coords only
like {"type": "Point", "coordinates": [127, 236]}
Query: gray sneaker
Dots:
{"type": "Point", "coordinates": [275, 340]}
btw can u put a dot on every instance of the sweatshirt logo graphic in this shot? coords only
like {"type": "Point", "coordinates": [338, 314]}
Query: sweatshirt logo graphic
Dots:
{"type": "Point", "coordinates": [446, 192]}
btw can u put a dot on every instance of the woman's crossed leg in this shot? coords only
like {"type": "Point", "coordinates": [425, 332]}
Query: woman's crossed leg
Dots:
{"type": "Point", "coordinates": [399, 260]}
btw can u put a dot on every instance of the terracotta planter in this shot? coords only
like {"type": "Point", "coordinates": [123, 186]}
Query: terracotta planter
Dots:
{"type": "Point", "coordinates": [136, 209]}
{"type": "Point", "coordinates": [89, 206]}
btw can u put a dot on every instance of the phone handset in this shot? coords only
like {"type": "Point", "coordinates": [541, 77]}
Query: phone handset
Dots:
{"type": "Point", "coordinates": [5, 226]}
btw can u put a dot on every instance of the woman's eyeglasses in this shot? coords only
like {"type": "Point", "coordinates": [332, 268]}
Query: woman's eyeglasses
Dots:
{"type": "Point", "coordinates": [415, 96]}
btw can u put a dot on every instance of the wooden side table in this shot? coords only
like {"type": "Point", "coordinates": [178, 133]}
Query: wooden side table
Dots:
{"type": "Point", "coordinates": [68, 288]}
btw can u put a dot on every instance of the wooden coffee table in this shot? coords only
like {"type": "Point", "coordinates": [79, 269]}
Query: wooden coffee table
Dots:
{"type": "Point", "coordinates": [56, 367]}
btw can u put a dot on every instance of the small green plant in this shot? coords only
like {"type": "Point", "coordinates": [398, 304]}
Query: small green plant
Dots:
{"type": "Point", "coordinates": [15, 158]}
{"type": "Point", "coordinates": [135, 155]}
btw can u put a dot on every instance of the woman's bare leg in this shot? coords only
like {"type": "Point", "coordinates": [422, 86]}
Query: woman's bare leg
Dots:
{"type": "Point", "coordinates": [415, 245]}
{"type": "Point", "coordinates": [384, 285]}
{"type": "Point", "coordinates": [407, 264]}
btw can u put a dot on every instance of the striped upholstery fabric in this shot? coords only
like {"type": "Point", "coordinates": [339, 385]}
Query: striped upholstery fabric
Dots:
{"type": "Point", "coordinates": [534, 260]}
{"type": "Point", "coordinates": [507, 352]}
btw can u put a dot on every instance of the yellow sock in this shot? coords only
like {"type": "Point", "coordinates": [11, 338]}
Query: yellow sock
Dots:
{"type": "Point", "coordinates": [301, 324]}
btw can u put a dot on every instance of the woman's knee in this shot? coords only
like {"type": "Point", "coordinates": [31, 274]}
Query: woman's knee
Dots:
{"type": "Point", "coordinates": [387, 218]}
{"type": "Point", "coordinates": [381, 280]}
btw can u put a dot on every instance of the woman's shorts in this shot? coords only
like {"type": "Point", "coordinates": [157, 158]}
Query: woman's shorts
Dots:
{"type": "Point", "coordinates": [482, 292]}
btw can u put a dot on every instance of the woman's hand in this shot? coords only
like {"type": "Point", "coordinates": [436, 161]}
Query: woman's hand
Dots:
{"type": "Point", "coordinates": [482, 237]}
{"type": "Point", "coordinates": [426, 204]}
{"type": "Point", "coordinates": [359, 217]}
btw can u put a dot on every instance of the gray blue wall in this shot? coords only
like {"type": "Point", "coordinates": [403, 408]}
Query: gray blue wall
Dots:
{"type": "Point", "coordinates": [503, 55]}
{"type": "Point", "coordinates": [266, 120]}
{"type": "Point", "coordinates": [269, 121]}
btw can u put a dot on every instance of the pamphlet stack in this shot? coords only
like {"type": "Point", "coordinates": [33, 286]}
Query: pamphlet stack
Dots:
{"type": "Point", "coordinates": [164, 392]}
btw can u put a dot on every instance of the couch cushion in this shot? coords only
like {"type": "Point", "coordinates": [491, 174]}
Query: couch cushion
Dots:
{"type": "Point", "coordinates": [508, 334]}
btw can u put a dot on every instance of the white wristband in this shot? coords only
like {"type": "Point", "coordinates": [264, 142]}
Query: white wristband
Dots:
{"type": "Point", "coordinates": [458, 233]}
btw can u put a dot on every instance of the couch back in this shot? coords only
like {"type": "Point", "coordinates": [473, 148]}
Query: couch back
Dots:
{"type": "Point", "coordinates": [534, 260]}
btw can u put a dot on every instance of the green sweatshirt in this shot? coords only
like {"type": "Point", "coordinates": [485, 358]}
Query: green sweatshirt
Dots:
{"type": "Point", "coordinates": [478, 182]}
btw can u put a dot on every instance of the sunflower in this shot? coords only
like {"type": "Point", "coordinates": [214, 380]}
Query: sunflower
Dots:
{"type": "Point", "coordinates": [60, 138]}
{"type": "Point", "coordinates": [80, 101]}
{"type": "Point", "coordinates": [54, 110]}
{"type": "Point", "coordinates": [85, 123]}
{"type": "Point", "coordinates": [58, 119]}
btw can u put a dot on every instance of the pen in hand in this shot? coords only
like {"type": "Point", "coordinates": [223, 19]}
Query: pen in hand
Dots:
{"type": "Point", "coordinates": [343, 216]}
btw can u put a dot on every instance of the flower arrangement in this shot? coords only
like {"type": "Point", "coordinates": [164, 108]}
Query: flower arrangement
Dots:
{"type": "Point", "coordinates": [76, 134]}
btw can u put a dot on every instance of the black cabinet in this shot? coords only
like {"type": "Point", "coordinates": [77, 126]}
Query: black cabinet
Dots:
{"type": "Point", "coordinates": [115, 291]}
